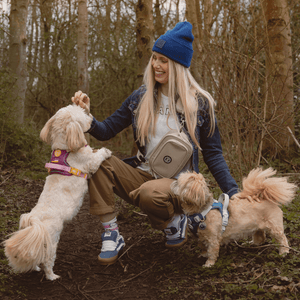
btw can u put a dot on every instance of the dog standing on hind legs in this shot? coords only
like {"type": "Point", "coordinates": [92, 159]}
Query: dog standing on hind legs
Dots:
{"type": "Point", "coordinates": [72, 163]}
{"type": "Point", "coordinates": [253, 211]}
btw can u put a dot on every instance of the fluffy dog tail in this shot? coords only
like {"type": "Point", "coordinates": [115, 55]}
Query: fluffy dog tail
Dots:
{"type": "Point", "coordinates": [259, 185]}
{"type": "Point", "coordinates": [29, 246]}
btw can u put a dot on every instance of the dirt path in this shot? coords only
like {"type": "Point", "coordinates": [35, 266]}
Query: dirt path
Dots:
{"type": "Point", "coordinates": [146, 269]}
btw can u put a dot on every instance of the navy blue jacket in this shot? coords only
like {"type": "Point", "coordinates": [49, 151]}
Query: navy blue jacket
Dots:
{"type": "Point", "coordinates": [210, 145]}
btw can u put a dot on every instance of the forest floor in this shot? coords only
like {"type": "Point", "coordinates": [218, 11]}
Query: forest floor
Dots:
{"type": "Point", "coordinates": [146, 269]}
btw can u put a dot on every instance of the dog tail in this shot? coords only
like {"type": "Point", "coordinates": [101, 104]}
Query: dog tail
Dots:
{"type": "Point", "coordinates": [29, 246]}
{"type": "Point", "coordinates": [259, 185]}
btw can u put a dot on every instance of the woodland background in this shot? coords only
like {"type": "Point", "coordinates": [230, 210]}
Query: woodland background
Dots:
{"type": "Point", "coordinates": [246, 54]}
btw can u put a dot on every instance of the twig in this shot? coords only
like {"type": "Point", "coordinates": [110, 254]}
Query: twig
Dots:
{"type": "Point", "coordinates": [6, 178]}
{"type": "Point", "coordinates": [144, 215]}
{"type": "Point", "coordinates": [110, 289]}
{"type": "Point", "coordinates": [82, 293]}
{"type": "Point", "coordinates": [131, 247]}
{"type": "Point", "coordinates": [255, 257]}
{"type": "Point", "coordinates": [290, 174]}
{"type": "Point", "coordinates": [237, 282]}
{"type": "Point", "coordinates": [66, 288]}
{"type": "Point", "coordinates": [297, 143]}
{"type": "Point", "coordinates": [5, 31]}
{"type": "Point", "coordinates": [99, 290]}
{"type": "Point", "coordinates": [265, 246]}
{"type": "Point", "coordinates": [138, 274]}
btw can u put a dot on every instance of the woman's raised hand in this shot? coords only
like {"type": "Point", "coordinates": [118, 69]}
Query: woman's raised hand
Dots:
{"type": "Point", "coordinates": [82, 100]}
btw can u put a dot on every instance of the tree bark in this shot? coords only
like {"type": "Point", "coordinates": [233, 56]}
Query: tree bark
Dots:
{"type": "Point", "coordinates": [279, 77]}
{"type": "Point", "coordinates": [144, 35]}
{"type": "Point", "coordinates": [158, 22]}
{"type": "Point", "coordinates": [82, 43]}
{"type": "Point", "coordinates": [191, 15]}
{"type": "Point", "coordinates": [17, 54]}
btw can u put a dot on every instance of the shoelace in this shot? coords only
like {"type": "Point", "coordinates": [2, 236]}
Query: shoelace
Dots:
{"type": "Point", "coordinates": [108, 246]}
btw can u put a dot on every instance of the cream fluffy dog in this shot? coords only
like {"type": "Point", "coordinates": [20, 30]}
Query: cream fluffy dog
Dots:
{"type": "Point", "coordinates": [254, 211]}
{"type": "Point", "coordinates": [36, 241]}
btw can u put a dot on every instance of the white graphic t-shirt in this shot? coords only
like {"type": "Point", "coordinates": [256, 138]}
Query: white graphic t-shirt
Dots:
{"type": "Point", "coordinates": [165, 122]}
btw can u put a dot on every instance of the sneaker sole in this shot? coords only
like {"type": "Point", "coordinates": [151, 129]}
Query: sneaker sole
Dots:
{"type": "Point", "coordinates": [111, 260]}
{"type": "Point", "coordinates": [107, 261]}
{"type": "Point", "coordinates": [179, 245]}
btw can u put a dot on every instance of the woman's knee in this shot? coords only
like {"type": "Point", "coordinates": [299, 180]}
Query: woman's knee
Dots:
{"type": "Point", "coordinates": [105, 170]}
{"type": "Point", "coordinates": [151, 197]}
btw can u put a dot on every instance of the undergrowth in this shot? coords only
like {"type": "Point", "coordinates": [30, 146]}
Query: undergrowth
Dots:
{"type": "Point", "coordinates": [20, 145]}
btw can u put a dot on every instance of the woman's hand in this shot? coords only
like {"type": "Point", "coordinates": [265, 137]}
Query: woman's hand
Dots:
{"type": "Point", "coordinates": [82, 100]}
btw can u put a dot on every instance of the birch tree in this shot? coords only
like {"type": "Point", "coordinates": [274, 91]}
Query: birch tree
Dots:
{"type": "Point", "coordinates": [17, 54]}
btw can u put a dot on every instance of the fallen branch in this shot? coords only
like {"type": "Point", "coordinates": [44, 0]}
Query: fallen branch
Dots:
{"type": "Point", "coordinates": [144, 215]}
{"type": "Point", "coordinates": [110, 289]}
{"type": "Point", "coordinates": [265, 246]}
{"type": "Point", "coordinates": [83, 294]}
{"type": "Point", "coordinates": [66, 288]}
{"type": "Point", "coordinates": [237, 282]}
{"type": "Point", "coordinates": [138, 274]}
{"type": "Point", "coordinates": [6, 178]}
{"type": "Point", "coordinates": [130, 247]}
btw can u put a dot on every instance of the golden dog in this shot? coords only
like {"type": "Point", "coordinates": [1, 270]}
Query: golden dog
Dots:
{"type": "Point", "coordinates": [253, 211]}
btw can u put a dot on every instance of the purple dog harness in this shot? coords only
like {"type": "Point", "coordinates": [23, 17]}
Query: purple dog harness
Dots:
{"type": "Point", "coordinates": [59, 165]}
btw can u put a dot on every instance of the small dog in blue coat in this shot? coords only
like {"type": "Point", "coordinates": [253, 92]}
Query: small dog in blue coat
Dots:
{"type": "Point", "coordinates": [252, 212]}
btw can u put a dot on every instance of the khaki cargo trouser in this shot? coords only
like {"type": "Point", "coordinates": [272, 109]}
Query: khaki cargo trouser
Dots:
{"type": "Point", "coordinates": [152, 196]}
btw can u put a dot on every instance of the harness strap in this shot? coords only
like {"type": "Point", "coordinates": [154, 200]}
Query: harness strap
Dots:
{"type": "Point", "coordinates": [71, 170]}
{"type": "Point", "coordinates": [198, 220]}
{"type": "Point", "coordinates": [224, 200]}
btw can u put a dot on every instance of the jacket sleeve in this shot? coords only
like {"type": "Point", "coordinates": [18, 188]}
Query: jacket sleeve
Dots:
{"type": "Point", "coordinates": [112, 125]}
{"type": "Point", "coordinates": [213, 157]}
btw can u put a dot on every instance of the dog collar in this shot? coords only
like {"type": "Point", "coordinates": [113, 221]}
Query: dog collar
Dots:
{"type": "Point", "coordinates": [59, 165]}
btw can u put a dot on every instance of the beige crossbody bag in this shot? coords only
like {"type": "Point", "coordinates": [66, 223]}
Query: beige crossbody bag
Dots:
{"type": "Point", "coordinates": [171, 154]}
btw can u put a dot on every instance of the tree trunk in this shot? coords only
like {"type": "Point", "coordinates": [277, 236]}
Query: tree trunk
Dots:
{"type": "Point", "coordinates": [158, 22]}
{"type": "Point", "coordinates": [144, 40]}
{"type": "Point", "coordinates": [144, 35]}
{"type": "Point", "coordinates": [279, 78]}
{"type": "Point", "coordinates": [82, 43]}
{"type": "Point", "coordinates": [17, 54]}
{"type": "Point", "coordinates": [191, 15]}
{"type": "Point", "coordinates": [117, 28]}
{"type": "Point", "coordinates": [107, 26]}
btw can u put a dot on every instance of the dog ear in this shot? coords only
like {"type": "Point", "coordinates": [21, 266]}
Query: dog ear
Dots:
{"type": "Point", "coordinates": [75, 136]}
{"type": "Point", "coordinates": [45, 134]}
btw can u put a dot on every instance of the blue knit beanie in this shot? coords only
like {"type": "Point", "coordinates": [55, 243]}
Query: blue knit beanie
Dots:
{"type": "Point", "coordinates": [177, 44]}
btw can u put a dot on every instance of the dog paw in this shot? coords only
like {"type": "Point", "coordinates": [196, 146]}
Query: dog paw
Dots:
{"type": "Point", "coordinates": [38, 269]}
{"type": "Point", "coordinates": [107, 152]}
{"type": "Point", "coordinates": [52, 277]}
{"type": "Point", "coordinates": [283, 252]}
{"type": "Point", "coordinates": [209, 263]}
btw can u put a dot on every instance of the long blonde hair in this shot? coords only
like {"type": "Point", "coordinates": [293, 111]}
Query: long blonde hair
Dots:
{"type": "Point", "coordinates": [182, 82]}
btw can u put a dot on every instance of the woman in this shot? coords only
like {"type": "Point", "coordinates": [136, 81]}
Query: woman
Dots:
{"type": "Point", "coordinates": [169, 98]}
